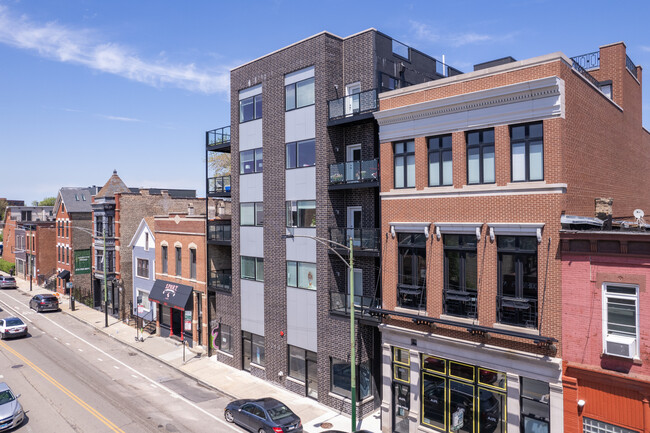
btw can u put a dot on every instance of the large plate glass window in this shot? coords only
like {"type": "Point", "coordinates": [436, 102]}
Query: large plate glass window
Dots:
{"type": "Point", "coordinates": [460, 275]}
{"type": "Point", "coordinates": [440, 164]}
{"type": "Point", "coordinates": [527, 147]}
{"type": "Point", "coordinates": [535, 409]}
{"type": "Point", "coordinates": [251, 214]}
{"type": "Point", "coordinates": [480, 156]}
{"type": "Point", "coordinates": [301, 274]}
{"type": "Point", "coordinates": [412, 269]}
{"type": "Point", "coordinates": [252, 268]}
{"type": "Point", "coordinates": [225, 339]}
{"type": "Point", "coordinates": [301, 154]}
{"type": "Point", "coordinates": [301, 213]}
{"type": "Point", "coordinates": [404, 159]}
{"type": "Point", "coordinates": [251, 161]}
{"type": "Point", "coordinates": [340, 379]}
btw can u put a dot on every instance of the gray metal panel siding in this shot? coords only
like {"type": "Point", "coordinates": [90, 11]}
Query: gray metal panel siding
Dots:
{"type": "Point", "coordinates": [301, 318]}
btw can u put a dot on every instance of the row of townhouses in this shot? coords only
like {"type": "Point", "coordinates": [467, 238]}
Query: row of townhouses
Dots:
{"type": "Point", "coordinates": [462, 252]}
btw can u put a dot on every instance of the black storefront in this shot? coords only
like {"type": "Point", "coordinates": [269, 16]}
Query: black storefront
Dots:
{"type": "Point", "coordinates": [174, 309]}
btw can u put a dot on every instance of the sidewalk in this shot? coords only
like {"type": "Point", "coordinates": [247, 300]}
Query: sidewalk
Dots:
{"type": "Point", "coordinates": [207, 371]}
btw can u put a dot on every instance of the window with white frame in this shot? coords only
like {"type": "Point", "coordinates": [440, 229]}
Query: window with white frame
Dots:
{"type": "Point", "coordinates": [594, 426]}
{"type": "Point", "coordinates": [143, 299]}
{"type": "Point", "coordinates": [620, 319]}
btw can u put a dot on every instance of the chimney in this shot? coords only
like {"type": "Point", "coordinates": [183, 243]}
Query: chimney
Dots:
{"type": "Point", "coordinates": [190, 209]}
{"type": "Point", "coordinates": [604, 211]}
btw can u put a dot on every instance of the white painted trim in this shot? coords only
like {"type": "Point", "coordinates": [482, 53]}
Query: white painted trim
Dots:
{"type": "Point", "coordinates": [458, 228]}
{"type": "Point", "coordinates": [178, 245]}
{"type": "Point", "coordinates": [514, 103]}
{"type": "Point", "coordinates": [516, 229]}
{"type": "Point", "coordinates": [523, 188]}
{"type": "Point", "coordinates": [164, 244]}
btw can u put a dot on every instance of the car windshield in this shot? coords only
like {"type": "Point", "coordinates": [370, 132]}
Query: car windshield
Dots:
{"type": "Point", "coordinates": [6, 396]}
{"type": "Point", "coordinates": [279, 412]}
{"type": "Point", "coordinates": [14, 322]}
{"type": "Point", "coordinates": [10, 279]}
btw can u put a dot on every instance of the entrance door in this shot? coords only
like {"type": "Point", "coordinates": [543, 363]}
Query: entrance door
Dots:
{"type": "Point", "coordinates": [401, 406]}
{"type": "Point", "coordinates": [177, 322]}
{"type": "Point", "coordinates": [352, 162]}
{"type": "Point", "coordinates": [312, 375]}
{"type": "Point", "coordinates": [354, 226]}
{"type": "Point", "coordinates": [352, 98]}
{"type": "Point", "coordinates": [165, 320]}
{"type": "Point", "coordinates": [247, 345]}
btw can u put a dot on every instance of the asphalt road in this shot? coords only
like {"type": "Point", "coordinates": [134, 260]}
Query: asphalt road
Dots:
{"type": "Point", "coordinates": [74, 379]}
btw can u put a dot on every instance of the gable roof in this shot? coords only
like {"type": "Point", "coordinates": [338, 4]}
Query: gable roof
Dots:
{"type": "Point", "coordinates": [75, 199]}
{"type": "Point", "coordinates": [146, 222]}
{"type": "Point", "coordinates": [113, 186]}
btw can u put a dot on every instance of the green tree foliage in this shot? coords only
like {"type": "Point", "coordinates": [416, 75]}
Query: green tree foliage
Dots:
{"type": "Point", "coordinates": [3, 208]}
{"type": "Point", "coordinates": [219, 163]}
{"type": "Point", "coordinates": [47, 201]}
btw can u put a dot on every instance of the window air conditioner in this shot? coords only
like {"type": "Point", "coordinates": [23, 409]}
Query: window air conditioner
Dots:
{"type": "Point", "coordinates": [618, 345]}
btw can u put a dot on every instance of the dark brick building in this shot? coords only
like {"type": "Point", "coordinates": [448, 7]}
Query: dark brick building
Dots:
{"type": "Point", "coordinates": [304, 166]}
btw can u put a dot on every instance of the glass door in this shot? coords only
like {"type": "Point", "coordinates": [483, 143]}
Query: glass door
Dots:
{"type": "Point", "coordinates": [247, 344]}
{"type": "Point", "coordinates": [353, 226]}
{"type": "Point", "coordinates": [312, 375]}
{"type": "Point", "coordinates": [352, 163]}
{"type": "Point", "coordinates": [352, 98]}
{"type": "Point", "coordinates": [358, 286]}
{"type": "Point", "coordinates": [401, 406]}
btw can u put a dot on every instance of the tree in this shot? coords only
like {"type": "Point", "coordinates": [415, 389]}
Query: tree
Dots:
{"type": "Point", "coordinates": [47, 201]}
{"type": "Point", "coordinates": [3, 208]}
{"type": "Point", "coordinates": [219, 163]}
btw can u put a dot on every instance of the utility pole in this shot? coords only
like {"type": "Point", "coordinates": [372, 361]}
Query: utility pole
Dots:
{"type": "Point", "coordinates": [30, 261]}
{"type": "Point", "coordinates": [105, 274]}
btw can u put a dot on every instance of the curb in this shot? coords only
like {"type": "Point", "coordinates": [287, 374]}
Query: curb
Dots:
{"type": "Point", "coordinates": [188, 375]}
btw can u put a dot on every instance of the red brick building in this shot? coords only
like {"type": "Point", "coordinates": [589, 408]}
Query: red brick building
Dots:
{"type": "Point", "coordinates": [605, 328]}
{"type": "Point", "coordinates": [476, 171]}
{"type": "Point", "coordinates": [181, 264]}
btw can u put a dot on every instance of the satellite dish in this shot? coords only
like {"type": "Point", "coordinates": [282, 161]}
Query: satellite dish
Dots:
{"type": "Point", "coordinates": [638, 213]}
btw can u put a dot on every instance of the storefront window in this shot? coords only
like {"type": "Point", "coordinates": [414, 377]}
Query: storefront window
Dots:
{"type": "Point", "coordinates": [225, 339]}
{"type": "Point", "coordinates": [340, 379]}
{"type": "Point", "coordinates": [535, 411]}
{"type": "Point", "coordinates": [459, 397]}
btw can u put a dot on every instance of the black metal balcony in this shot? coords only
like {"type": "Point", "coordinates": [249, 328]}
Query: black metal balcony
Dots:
{"type": "Point", "coordinates": [629, 64]}
{"type": "Point", "coordinates": [589, 60]}
{"type": "Point", "coordinates": [365, 241]}
{"type": "Point", "coordinates": [220, 280]}
{"type": "Point", "coordinates": [354, 174]}
{"type": "Point", "coordinates": [340, 305]}
{"type": "Point", "coordinates": [517, 311]}
{"type": "Point", "coordinates": [219, 186]}
{"type": "Point", "coordinates": [352, 108]}
{"type": "Point", "coordinates": [218, 139]}
{"type": "Point", "coordinates": [219, 232]}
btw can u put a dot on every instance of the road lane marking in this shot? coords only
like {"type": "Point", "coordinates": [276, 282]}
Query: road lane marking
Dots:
{"type": "Point", "coordinates": [80, 350]}
{"type": "Point", "coordinates": [151, 381]}
{"type": "Point", "coordinates": [15, 311]}
{"type": "Point", "coordinates": [65, 390]}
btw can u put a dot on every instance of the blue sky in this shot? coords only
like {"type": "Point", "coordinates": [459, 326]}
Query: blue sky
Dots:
{"type": "Point", "coordinates": [88, 86]}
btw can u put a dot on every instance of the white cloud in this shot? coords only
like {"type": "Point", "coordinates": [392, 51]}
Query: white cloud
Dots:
{"type": "Point", "coordinates": [645, 48]}
{"type": "Point", "coordinates": [425, 32]}
{"type": "Point", "coordinates": [84, 47]}
{"type": "Point", "coordinates": [119, 118]}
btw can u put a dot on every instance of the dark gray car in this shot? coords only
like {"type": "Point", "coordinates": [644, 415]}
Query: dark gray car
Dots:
{"type": "Point", "coordinates": [11, 412]}
{"type": "Point", "coordinates": [7, 282]}
{"type": "Point", "coordinates": [44, 303]}
{"type": "Point", "coordinates": [264, 415]}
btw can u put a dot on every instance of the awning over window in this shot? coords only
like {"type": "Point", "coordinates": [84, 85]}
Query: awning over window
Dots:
{"type": "Point", "coordinates": [64, 275]}
{"type": "Point", "coordinates": [172, 294]}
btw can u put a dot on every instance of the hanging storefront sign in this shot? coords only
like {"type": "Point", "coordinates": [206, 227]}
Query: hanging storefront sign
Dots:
{"type": "Point", "coordinates": [82, 262]}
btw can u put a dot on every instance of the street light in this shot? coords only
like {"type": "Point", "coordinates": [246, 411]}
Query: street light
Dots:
{"type": "Point", "coordinates": [90, 232]}
{"type": "Point", "coordinates": [353, 368]}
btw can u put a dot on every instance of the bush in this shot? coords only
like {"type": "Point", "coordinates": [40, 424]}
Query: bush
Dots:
{"type": "Point", "coordinates": [7, 267]}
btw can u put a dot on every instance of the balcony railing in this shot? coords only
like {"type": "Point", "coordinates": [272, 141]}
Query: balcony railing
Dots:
{"type": "Point", "coordinates": [354, 172]}
{"type": "Point", "coordinates": [353, 105]}
{"type": "Point", "coordinates": [460, 303]}
{"type": "Point", "coordinates": [517, 311]}
{"type": "Point", "coordinates": [368, 239]}
{"type": "Point", "coordinates": [589, 60]}
{"type": "Point", "coordinates": [218, 231]}
{"type": "Point", "coordinates": [220, 280]}
{"type": "Point", "coordinates": [629, 64]}
{"type": "Point", "coordinates": [218, 137]}
{"type": "Point", "coordinates": [219, 185]}
{"type": "Point", "coordinates": [340, 304]}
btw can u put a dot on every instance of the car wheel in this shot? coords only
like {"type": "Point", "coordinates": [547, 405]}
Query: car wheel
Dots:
{"type": "Point", "coordinates": [228, 415]}
{"type": "Point", "coordinates": [39, 310]}
{"type": "Point", "coordinates": [2, 336]}
{"type": "Point", "coordinates": [261, 431]}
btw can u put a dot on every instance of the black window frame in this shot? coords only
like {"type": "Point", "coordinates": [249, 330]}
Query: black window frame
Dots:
{"type": "Point", "coordinates": [295, 219]}
{"type": "Point", "coordinates": [534, 402]}
{"type": "Point", "coordinates": [405, 154]}
{"type": "Point", "coordinates": [254, 340]}
{"type": "Point", "coordinates": [520, 254]}
{"type": "Point", "coordinates": [460, 301]}
{"type": "Point", "coordinates": [256, 261]}
{"type": "Point", "coordinates": [481, 145]}
{"type": "Point", "coordinates": [335, 389]}
{"type": "Point", "coordinates": [256, 99]}
{"type": "Point", "coordinates": [414, 248]}
{"type": "Point", "coordinates": [296, 265]}
{"type": "Point", "coordinates": [179, 261]}
{"type": "Point", "coordinates": [295, 95]}
{"type": "Point", "coordinates": [258, 206]}
{"type": "Point", "coordinates": [296, 153]}
{"type": "Point", "coordinates": [527, 140]}
{"type": "Point", "coordinates": [440, 151]}
{"type": "Point", "coordinates": [222, 333]}
{"type": "Point", "coordinates": [258, 160]}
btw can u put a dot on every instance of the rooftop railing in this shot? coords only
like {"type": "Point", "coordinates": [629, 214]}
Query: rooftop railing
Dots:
{"type": "Point", "coordinates": [218, 137]}
{"type": "Point", "coordinates": [219, 185]}
{"type": "Point", "coordinates": [220, 280]}
{"type": "Point", "coordinates": [517, 311]}
{"type": "Point", "coordinates": [589, 60]}
{"type": "Point", "coordinates": [629, 64]}
{"type": "Point", "coordinates": [582, 71]}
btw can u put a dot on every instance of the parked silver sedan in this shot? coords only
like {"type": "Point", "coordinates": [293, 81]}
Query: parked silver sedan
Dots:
{"type": "Point", "coordinates": [12, 327]}
{"type": "Point", "coordinates": [11, 412]}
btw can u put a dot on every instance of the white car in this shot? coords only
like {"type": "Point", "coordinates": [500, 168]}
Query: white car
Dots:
{"type": "Point", "coordinates": [11, 412]}
{"type": "Point", "coordinates": [11, 327]}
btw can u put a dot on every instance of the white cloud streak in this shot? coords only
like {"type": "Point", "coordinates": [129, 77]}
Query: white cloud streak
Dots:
{"type": "Point", "coordinates": [83, 47]}
{"type": "Point", "coordinates": [425, 32]}
{"type": "Point", "coordinates": [119, 118]}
